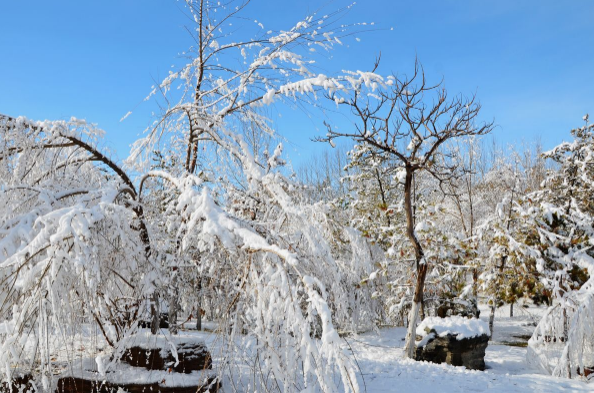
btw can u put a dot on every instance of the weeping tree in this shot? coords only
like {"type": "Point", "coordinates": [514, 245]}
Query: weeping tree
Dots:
{"type": "Point", "coordinates": [74, 244]}
{"type": "Point", "coordinates": [76, 253]}
{"type": "Point", "coordinates": [411, 120]}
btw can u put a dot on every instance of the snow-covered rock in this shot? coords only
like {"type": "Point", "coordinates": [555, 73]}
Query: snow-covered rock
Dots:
{"type": "Point", "coordinates": [178, 353]}
{"type": "Point", "coordinates": [460, 327]}
{"type": "Point", "coordinates": [454, 340]}
{"type": "Point", "coordinates": [150, 363]}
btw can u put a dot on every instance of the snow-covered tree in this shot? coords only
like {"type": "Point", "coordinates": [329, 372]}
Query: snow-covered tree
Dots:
{"type": "Point", "coordinates": [215, 208]}
{"type": "Point", "coordinates": [563, 222]}
{"type": "Point", "coordinates": [74, 243]}
{"type": "Point", "coordinates": [507, 232]}
{"type": "Point", "coordinates": [411, 121]}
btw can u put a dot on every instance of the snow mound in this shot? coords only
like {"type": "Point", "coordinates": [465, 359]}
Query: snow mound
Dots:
{"type": "Point", "coordinates": [455, 325]}
{"type": "Point", "coordinates": [165, 340]}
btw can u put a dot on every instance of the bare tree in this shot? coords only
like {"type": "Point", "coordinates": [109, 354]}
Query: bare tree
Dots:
{"type": "Point", "coordinates": [411, 120]}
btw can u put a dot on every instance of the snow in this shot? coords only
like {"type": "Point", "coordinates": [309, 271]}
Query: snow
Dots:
{"type": "Point", "coordinates": [128, 375]}
{"type": "Point", "coordinates": [422, 226]}
{"type": "Point", "coordinates": [268, 97]}
{"type": "Point", "coordinates": [146, 340]}
{"type": "Point", "coordinates": [100, 365]}
{"type": "Point", "coordinates": [400, 175]}
{"type": "Point", "coordinates": [456, 325]}
{"type": "Point", "coordinates": [381, 367]}
{"type": "Point", "coordinates": [411, 145]}
{"type": "Point", "coordinates": [126, 116]}
{"type": "Point", "coordinates": [85, 247]}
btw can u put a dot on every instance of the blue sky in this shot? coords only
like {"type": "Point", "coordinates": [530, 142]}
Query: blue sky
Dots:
{"type": "Point", "coordinates": [530, 63]}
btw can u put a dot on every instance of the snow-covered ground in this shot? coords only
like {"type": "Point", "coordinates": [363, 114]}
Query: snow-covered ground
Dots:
{"type": "Point", "coordinates": [383, 369]}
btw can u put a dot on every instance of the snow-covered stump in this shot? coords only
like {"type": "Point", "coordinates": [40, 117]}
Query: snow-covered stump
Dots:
{"type": "Point", "coordinates": [454, 340]}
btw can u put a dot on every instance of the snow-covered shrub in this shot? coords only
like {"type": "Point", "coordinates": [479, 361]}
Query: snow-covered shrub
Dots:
{"type": "Point", "coordinates": [563, 341]}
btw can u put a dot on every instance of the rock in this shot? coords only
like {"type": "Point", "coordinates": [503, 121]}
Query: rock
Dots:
{"type": "Point", "coordinates": [20, 383]}
{"type": "Point", "coordinates": [163, 322]}
{"type": "Point", "coordinates": [588, 372]}
{"type": "Point", "coordinates": [463, 308]}
{"type": "Point", "coordinates": [192, 356]}
{"type": "Point", "coordinates": [148, 367]}
{"type": "Point", "coordinates": [467, 352]}
{"type": "Point", "coordinates": [78, 385]}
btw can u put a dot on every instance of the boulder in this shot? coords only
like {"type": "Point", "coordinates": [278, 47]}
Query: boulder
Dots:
{"type": "Point", "coordinates": [147, 366]}
{"type": "Point", "coordinates": [453, 340]}
{"type": "Point", "coordinates": [163, 322]}
{"type": "Point", "coordinates": [467, 352]}
{"type": "Point", "coordinates": [192, 356]}
{"type": "Point", "coordinates": [21, 382]}
{"type": "Point", "coordinates": [78, 385]}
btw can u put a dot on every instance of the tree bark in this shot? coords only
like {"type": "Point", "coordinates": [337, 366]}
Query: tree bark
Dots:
{"type": "Point", "coordinates": [383, 194]}
{"type": "Point", "coordinates": [422, 309]}
{"type": "Point", "coordinates": [565, 326]}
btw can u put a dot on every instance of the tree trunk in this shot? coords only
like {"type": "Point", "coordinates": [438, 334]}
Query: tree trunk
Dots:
{"type": "Point", "coordinates": [565, 326]}
{"type": "Point", "coordinates": [173, 309]}
{"type": "Point", "coordinates": [154, 313]}
{"type": "Point", "coordinates": [173, 301]}
{"type": "Point", "coordinates": [409, 346]}
{"type": "Point", "coordinates": [511, 310]}
{"type": "Point", "coordinates": [422, 309]}
{"type": "Point", "coordinates": [476, 311]}
{"type": "Point", "coordinates": [492, 317]}
{"type": "Point", "coordinates": [495, 300]}
{"type": "Point", "coordinates": [199, 306]}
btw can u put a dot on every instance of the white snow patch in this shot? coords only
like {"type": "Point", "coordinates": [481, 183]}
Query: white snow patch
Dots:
{"type": "Point", "coordinates": [456, 325]}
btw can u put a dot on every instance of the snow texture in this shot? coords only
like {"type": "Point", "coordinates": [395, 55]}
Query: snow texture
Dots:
{"type": "Point", "coordinates": [455, 325]}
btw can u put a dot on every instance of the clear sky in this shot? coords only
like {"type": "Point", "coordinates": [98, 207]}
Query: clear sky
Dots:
{"type": "Point", "coordinates": [531, 63]}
